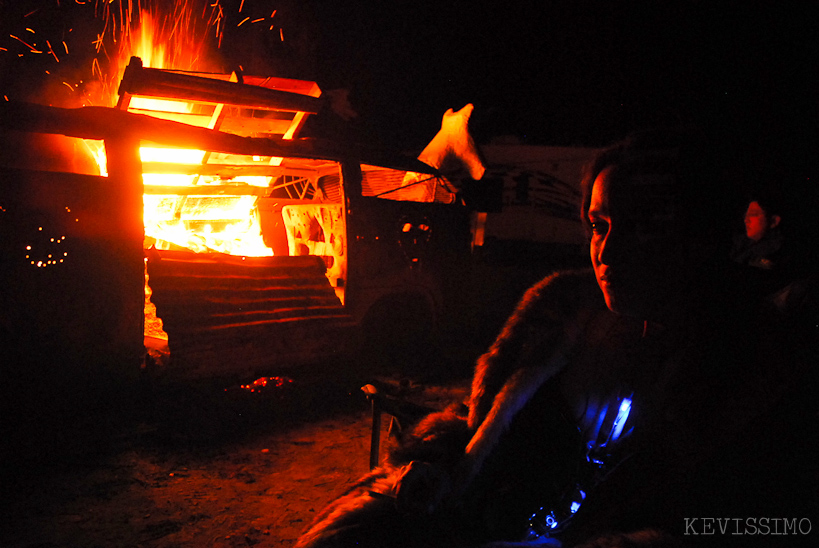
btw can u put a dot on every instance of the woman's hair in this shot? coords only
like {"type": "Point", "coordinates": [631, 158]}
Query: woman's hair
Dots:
{"type": "Point", "coordinates": [768, 198]}
{"type": "Point", "coordinates": [702, 197]}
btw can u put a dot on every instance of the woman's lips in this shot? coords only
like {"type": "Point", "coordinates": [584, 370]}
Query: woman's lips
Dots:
{"type": "Point", "coordinates": [610, 279]}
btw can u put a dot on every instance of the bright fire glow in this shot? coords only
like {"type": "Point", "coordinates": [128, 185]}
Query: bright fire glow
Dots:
{"type": "Point", "coordinates": [224, 224]}
{"type": "Point", "coordinates": [200, 223]}
{"type": "Point", "coordinates": [184, 35]}
{"type": "Point", "coordinates": [170, 155]}
{"type": "Point", "coordinates": [147, 103]}
{"type": "Point", "coordinates": [165, 35]}
{"type": "Point", "coordinates": [152, 54]}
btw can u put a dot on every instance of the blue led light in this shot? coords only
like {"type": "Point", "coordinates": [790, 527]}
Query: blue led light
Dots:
{"type": "Point", "coordinates": [620, 420]}
{"type": "Point", "coordinates": [601, 417]}
{"type": "Point", "coordinates": [601, 455]}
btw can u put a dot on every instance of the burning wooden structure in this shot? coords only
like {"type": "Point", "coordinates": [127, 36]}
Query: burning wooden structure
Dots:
{"type": "Point", "coordinates": [254, 247]}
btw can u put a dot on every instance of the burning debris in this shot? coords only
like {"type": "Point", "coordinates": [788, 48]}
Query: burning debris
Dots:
{"type": "Point", "coordinates": [254, 247]}
{"type": "Point", "coordinates": [206, 201]}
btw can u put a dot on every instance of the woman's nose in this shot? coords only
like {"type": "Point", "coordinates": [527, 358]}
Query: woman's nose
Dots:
{"type": "Point", "coordinates": [614, 248]}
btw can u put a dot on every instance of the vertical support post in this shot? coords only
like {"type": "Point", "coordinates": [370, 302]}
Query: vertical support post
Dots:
{"type": "Point", "coordinates": [375, 438]}
{"type": "Point", "coordinates": [125, 178]}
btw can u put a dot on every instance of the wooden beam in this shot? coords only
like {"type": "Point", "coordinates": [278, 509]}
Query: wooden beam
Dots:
{"type": "Point", "coordinates": [138, 80]}
{"type": "Point", "coordinates": [103, 123]}
{"type": "Point", "coordinates": [125, 174]}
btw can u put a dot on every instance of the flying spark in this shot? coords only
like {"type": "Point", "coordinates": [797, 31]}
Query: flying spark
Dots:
{"type": "Point", "coordinates": [29, 46]}
{"type": "Point", "coordinates": [182, 35]}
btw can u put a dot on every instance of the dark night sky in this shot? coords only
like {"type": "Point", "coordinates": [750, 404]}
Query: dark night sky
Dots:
{"type": "Point", "coordinates": [572, 72]}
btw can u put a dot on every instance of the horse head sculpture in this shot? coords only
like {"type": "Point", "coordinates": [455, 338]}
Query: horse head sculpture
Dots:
{"type": "Point", "coordinates": [453, 148]}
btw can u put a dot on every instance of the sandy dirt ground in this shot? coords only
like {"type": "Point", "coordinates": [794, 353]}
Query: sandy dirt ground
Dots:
{"type": "Point", "coordinates": [198, 465]}
{"type": "Point", "coordinates": [206, 463]}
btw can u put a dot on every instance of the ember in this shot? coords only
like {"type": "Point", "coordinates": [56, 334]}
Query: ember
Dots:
{"type": "Point", "coordinates": [266, 383]}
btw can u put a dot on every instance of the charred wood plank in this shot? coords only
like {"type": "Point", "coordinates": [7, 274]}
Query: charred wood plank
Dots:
{"type": "Point", "coordinates": [139, 80]}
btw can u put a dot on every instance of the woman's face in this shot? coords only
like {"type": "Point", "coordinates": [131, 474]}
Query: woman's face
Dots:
{"type": "Point", "coordinates": [638, 245]}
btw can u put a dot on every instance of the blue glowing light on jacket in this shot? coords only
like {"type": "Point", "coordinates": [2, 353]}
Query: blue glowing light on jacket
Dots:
{"type": "Point", "coordinates": [620, 420]}
{"type": "Point", "coordinates": [547, 522]}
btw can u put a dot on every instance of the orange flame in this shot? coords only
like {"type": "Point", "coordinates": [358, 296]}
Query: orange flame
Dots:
{"type": "Point", "coordinates": [200, 223]}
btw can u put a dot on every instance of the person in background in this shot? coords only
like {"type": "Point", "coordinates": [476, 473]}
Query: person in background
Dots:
{"type": "Point", "coordinates": [761, 245]}
{"type": "Point", "coordinates": [775, 264]}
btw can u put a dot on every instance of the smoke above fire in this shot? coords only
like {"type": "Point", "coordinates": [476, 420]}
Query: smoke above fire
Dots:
{"type": "Point", "coordinates": [74, 52]}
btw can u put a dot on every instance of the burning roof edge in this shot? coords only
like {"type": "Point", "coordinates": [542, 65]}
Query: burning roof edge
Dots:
{"type": "Point", "coordinates": [104, 123]}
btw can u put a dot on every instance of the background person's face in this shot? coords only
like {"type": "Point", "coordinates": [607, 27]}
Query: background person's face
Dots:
{"type": "Point", "coordinates": [756, 222]}
{"type": "Point", "coordinates": [636, 243]}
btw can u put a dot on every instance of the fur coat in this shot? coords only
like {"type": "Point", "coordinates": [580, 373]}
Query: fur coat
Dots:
{"type": "Point", "coordinates": [478, 474]}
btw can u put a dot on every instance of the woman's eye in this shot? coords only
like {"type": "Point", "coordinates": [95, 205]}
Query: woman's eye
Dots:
{"type": "Point", "coordinates": [599, 227]}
